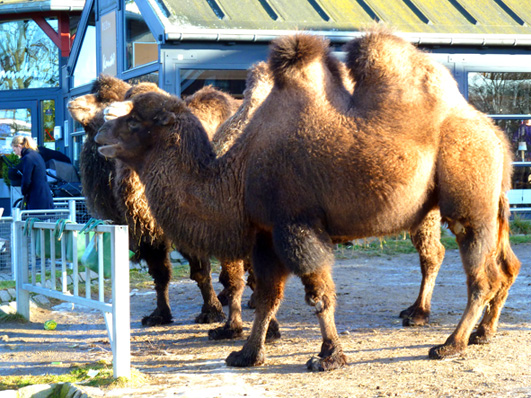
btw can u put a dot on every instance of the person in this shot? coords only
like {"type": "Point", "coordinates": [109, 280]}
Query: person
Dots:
{"type": "Point", "coordinates": [523, 134]}
{"type": "Point", "coordinates": [34, 185]}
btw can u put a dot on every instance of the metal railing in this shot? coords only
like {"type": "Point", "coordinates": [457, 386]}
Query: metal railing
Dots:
{"type": "Point", "coordinates": [72, 208]}
{"type": "Point", "coordinates": [38, 272]}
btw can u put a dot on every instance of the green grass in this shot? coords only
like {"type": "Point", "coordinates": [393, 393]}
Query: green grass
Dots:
{"type": "Point", "coordinates": [520, 225]}
{"type": "Point", "coordinates": [79, 374]}
{"type": "Point", "coordinates": [10, 318]}
{"type": "Point", "coordinates": [399, 244]}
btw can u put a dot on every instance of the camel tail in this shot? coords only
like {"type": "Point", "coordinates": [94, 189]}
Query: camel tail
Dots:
{"type": "Point", "coordinates": [289, 54]}
{"type": "Point", "coordinates": [506, 256]}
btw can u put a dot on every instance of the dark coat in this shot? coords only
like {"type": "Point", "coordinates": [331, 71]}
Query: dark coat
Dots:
{"type": "Point", "coordinates": [35, 188]}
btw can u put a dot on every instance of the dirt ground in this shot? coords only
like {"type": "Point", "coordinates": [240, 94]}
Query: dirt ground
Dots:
{"type": "Point", "coordinates": [385, 359]}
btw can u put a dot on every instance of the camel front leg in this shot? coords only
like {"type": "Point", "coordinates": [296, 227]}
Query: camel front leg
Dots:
{"type": "Point", "coordinates": [271, 277]}
{"type": "Point", "coordinates": [320, 293]}
{"type": "Point", "coordinates": [427, 240]}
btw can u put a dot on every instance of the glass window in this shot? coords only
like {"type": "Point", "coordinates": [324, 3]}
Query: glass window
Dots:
{"type": "Point", "coordinates": [28, 58]}
{"type": "Point", "coordinates": [48, 122]}
{"type": "Point", "coordinates": [77, 144]}
{"type": "Point", "coordinates": [13, 122]}
{"type": "Point", "coordinates": [85, 69]}
{"type": "Point", "coordinates": [519, 133]}
{"type": "Point", "coordinates": [500, 93]}
{"type": "Point", "coordinates": [229, 81]}
{"type": "Point", "coordinates": [141, 46]}
{"type": "Point", "coordinates": [150, 78]}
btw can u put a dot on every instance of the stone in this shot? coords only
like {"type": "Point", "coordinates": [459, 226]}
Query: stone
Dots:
{"type": "Point", "coordinates": [5, 296]}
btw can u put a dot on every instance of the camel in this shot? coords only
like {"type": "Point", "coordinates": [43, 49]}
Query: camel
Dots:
{"type": "Point", "coordinates": [338, 166]}
{"type": "Point", "coordinates": [114, 192]}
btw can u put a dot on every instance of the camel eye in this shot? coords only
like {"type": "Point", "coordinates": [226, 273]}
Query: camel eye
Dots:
{"type": "Point", "coordinates": [133, 124]}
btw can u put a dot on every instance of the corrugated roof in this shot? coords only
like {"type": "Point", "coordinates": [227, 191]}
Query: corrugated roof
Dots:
{"type": "Point", "coordinates": [482, 20]}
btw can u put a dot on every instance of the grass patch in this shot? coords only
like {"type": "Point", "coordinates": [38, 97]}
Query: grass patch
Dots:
{"type": "Point", "coordinates": [7, 285]}
{"type": "Point", "coordinates": [99, 374]}
{"type": "Point", "coordinates": [400, 244]}
{"type": "Point", "coordinates": [12, 318]}
{"type": "Point", "coordinates": [520, 225]}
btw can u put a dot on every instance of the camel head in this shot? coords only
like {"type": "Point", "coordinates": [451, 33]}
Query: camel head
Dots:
{"type": "Point", "coordinates": [88, 109]}
{"type": "Point", "coordinates": [134, 126]}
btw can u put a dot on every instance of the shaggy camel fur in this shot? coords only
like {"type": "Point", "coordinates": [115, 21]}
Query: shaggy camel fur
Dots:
{"type": "Point", "coordinates": [259, 84]}
{"type": "Point", "coordinates": [302, 180]}
{"type": "Point", "coordinates": [114, 192]}
{"type": "Point", "coordinates": [425, 237]}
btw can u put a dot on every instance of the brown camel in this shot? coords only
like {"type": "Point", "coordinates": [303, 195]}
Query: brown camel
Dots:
{"type": "Point", "coordinates": [338, 166]}
{"type": "Point", "coordinates": [114, 192]}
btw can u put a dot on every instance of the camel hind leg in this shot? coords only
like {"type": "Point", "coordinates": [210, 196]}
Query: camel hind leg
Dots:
{"type": "Point", "coordinates": [427, 240]}
{"type": "Point", "coordinates": [231, 277]}
{"type": "Point", "coordinates": [509, 266]}
{"type": "Point", "coordinates": [200, 272]}
{"type": "Point", "coordinates": [156, 256]}
{"type": "Point", "coordinates": [477, 246]}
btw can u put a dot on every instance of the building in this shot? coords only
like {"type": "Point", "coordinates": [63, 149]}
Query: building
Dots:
{"type": "Point", "coordinates": [183, 45]}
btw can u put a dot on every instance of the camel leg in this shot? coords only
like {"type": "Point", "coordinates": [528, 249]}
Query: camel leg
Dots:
{"type": "Point", "coordinates": [232, 277]}
{"type": "Point", "coordinates": [510, 266]}
{"type": "Point", "coordinates": [426, 239]}
{"type": "Point", "coordinates": [223, 278]}
{"type": "Point", "coordinates": [251, 282]}
{"type": "Point", "coordinates": [212, 311]}
{"type": "Point", "coordinates": [160, 269]}
{"type": "Point", "coordinates": [271, 277]}
{"type": "Point", "coordinates": [320, 293]}
{"type": "Point", "coordinates": [477, 248]}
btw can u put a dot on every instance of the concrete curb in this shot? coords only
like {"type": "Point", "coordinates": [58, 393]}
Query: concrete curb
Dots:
{"type": "Point", "coordinates": [57, 390]}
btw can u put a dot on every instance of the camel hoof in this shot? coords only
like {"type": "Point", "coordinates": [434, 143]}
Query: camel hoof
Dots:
{"type": "Point", "coordinates": [445, 351]}
{"type": "Point", "coordinates": [156, 320]}
{"type": "Point", "coordinates": [413, 316]}
{"type": "Point", "coordinates": [225, 333]}
{"type": "Point", "coordinates": [415, 321]}
{"type": "Point", "coordinates": [479, 338]}
{"type": "Point", "coordinates": [335, 361]}
{"type": "Point", "coordinates": [211, 316]}
{"type": "Point", "coordinates": [273, 332]}
{"type": "Point", "coordinates": [241, 359]}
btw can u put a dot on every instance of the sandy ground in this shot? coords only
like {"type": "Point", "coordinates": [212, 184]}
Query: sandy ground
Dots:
{"type": "Point", "coordinates": [385, 359]}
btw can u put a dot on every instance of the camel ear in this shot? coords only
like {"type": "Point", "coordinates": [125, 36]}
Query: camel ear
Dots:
{"type": "Point", "coordinates": [164, 118]}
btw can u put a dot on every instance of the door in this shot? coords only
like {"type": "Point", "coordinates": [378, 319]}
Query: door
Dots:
{"type": "Point", "coordinates": [16, 118]}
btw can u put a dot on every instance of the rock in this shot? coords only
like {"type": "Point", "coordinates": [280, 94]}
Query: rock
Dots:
{"type": "Point", "coordinates": [40, 299]}
{"type": "Point", "coordinates": [36, 391]}
{"type": "Point", "coordinates": [5, 296]}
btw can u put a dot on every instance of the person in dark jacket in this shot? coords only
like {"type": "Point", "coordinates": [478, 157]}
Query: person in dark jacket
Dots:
{"type": "Point", "coordinates": [35, 188]}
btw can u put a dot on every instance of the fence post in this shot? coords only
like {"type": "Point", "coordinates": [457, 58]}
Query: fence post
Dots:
{"type": "Point", "coordinates": [22, 295]}
{"type": "Point", "coordinates": [121, 328]}
{"type": "Point", "coordinates": [72, 209]}
{"type": "Point", "coordinates": [14, 253]}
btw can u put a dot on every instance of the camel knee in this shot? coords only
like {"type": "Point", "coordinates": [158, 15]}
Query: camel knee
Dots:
{"type": "Point", "coordinates": [320, 291]}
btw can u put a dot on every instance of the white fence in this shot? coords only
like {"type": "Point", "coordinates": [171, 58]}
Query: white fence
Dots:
{"type": "Point", "coordinates": [51, 265]}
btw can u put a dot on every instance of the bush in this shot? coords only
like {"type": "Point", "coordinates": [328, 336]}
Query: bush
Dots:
{"type": "Point", "coordinates": [14, 159]}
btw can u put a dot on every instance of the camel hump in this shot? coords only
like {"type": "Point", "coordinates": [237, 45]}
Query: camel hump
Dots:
{"type": "Point", "coordinates": [108, 88]}
{"type": "Point", "coordinates": [290, 54]}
